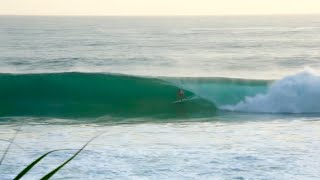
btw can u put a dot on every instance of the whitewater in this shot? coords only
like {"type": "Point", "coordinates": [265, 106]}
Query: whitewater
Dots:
{"type": "Point", "coordinates": [255, 83]}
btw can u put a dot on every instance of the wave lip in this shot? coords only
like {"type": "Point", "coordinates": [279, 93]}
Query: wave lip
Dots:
{"type": "Point", "coordinates": [299, 93]}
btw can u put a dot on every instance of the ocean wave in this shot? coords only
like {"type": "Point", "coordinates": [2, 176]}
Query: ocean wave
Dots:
{"type": "Point", "coordinates": [76, 94]}
{"type": "Point", "coordinates": [298, 93]}
{"type": "Point", "coordinates": [93, 95]}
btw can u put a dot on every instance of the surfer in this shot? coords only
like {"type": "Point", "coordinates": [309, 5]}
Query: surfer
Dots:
{"type": "Point", "coordinates": [180, 94]}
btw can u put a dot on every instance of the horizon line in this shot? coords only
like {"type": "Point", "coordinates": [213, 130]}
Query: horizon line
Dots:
{"type": "Point", "coordinates": [159, 15]}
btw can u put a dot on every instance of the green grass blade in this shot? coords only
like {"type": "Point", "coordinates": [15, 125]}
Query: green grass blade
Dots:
{"type": "Point", "coordinates": [25, 170]}
{"type": "Point", "coordinates": [49, 175]}
{"type": "Point", "coordinates": [30, 166]}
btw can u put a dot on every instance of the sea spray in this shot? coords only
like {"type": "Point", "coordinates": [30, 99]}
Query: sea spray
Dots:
{"type": "Point", "coordinates": [298, 93]}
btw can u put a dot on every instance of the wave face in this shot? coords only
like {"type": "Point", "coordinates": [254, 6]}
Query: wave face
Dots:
{"type": "Point", "coordinates": [93, 95]}
{"type": "Point", "coordinates": [299, 93]}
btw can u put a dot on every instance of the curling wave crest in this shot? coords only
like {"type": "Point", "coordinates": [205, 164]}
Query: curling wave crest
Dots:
{"type": "Point", "coordinates": [298, 93]}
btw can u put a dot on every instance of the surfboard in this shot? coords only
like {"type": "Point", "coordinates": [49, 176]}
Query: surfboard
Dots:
{"type": "Point", "coordinates": [185, 99]}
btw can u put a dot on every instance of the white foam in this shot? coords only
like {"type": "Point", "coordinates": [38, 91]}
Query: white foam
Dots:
{"type": "Point", "coordinates": [299, 93]}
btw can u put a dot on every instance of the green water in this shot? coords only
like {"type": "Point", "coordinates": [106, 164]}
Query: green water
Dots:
{"type": "Point", "coordinates": [93, 95]}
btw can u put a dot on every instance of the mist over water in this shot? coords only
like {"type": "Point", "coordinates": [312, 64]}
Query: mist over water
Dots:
{"type": "Point", "coordinates": [254, 111]}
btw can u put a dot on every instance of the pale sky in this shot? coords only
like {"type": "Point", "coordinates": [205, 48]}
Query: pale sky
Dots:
{"type": "Point", "coordinates": [157, 7]}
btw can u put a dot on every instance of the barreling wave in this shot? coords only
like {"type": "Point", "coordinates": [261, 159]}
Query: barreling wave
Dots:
{"type": "Point", "coordinates": [93, 95]}
{"type": "Point", "coordinates": [76, 94]}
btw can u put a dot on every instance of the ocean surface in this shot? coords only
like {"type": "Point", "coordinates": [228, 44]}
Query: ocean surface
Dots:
{"type": "Point", "coordinates": [253, 84]}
